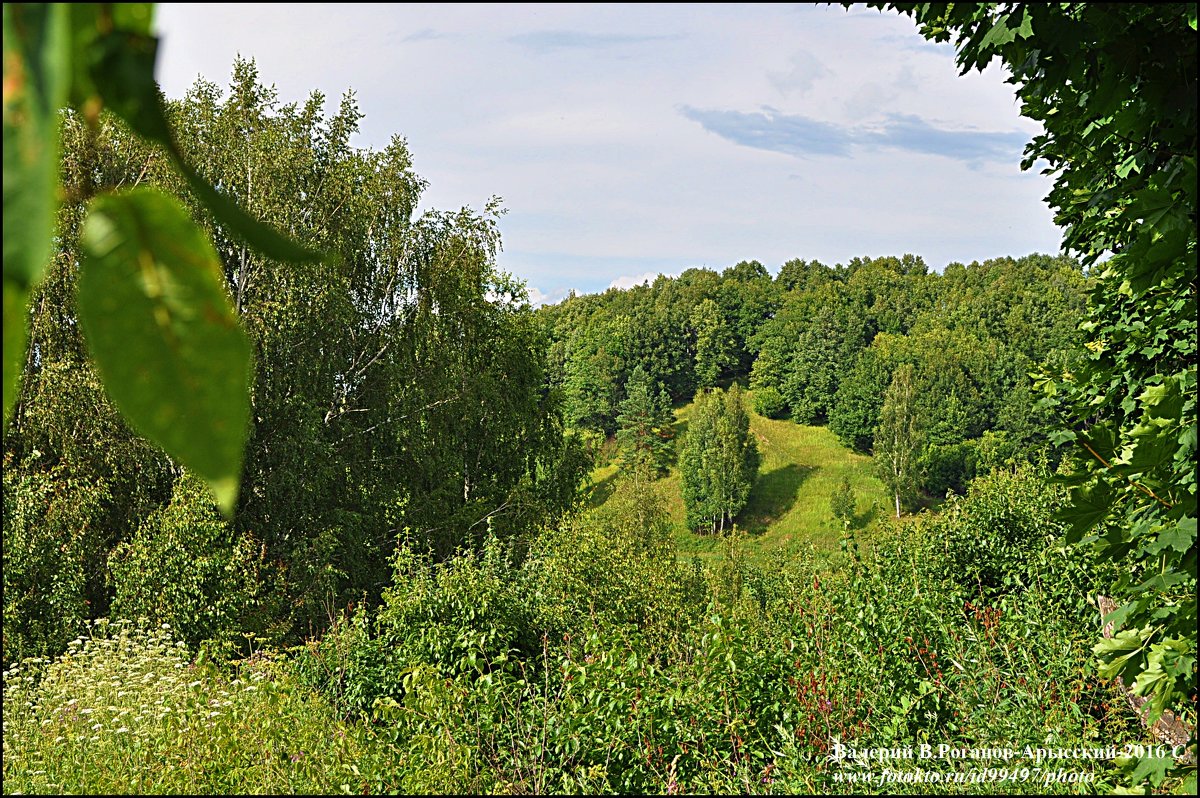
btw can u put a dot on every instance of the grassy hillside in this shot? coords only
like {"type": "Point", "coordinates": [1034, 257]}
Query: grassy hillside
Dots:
{"type": "Point", "coordinates": [789, 504]}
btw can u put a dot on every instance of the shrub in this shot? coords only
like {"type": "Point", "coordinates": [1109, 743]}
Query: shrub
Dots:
{"type": "Point", "coordinates": [769, 402]}
{"type": "Point", "coordinates": [992, 540]}
{"type": "Point", "coordinates": [186, 567]}
{"type": "Point", "coordinates": [948, 467]}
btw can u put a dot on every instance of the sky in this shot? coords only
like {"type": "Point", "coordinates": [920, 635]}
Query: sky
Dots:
{"type": "Point", "coordinates": [628, 141]}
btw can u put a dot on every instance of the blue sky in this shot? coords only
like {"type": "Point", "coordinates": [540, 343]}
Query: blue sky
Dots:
{"type": "Point", "coordinates": [632, 140]}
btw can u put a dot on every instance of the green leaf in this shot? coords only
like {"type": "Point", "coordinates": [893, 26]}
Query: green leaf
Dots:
{"type": "Point", "coordinates": [1163, 401]}
{"type": "Point", "coordinates": [36, 62]}
{"type": "Point", "coordinates": [1025, 30]}
{"type": "Point", "coordinates": [15, 312]}
{"type": "Point", "coordinates": [1180, 537]}
{"type": "Point", "coordinates": [157, 320]}
{"type": "Point", "coordinates": [1089, 505]}
{"type": "Point", "coordinates": [1116, 652]}
{"type": "Point", "coordinates": [999, 34]}
{"type": "Point", "coordinates": [1153, 768]}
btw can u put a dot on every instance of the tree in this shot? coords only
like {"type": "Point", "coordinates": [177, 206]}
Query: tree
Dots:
{"type": "Point", "coordinates": [854, 414]}
{"type": "Point", "coordinates": [175, 362]}
{"type": "Point", "coordinates": [900, 437]}
{"type": "Point", "coordinates": [644, 426]}
{"type": "Point", "coordinates": [714, 346]}
{"type": "Point", "coordinates": [719, 459]}
{"type": "Point", "coordinates": [399, 384]}
{"type": "Point", "coordinates": [843, 501]}
{"type": "Point", "coordinates": [1114, 87]}
{"type": "Point", "coordinates": [808, 347]}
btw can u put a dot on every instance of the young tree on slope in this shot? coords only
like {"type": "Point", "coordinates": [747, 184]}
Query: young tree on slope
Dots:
{"type": "Point", "coordinates": [719, 459]}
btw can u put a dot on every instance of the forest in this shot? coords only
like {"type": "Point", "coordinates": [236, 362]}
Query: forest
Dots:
{"type": "Point", "coordinates": [788, 528]}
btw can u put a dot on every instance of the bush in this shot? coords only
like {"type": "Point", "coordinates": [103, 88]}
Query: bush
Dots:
{"type": "Point", "coordinates": [186, 567]}
{"type": "Point", "coordinates": [769, 402]}
{"type": "Point", "coordinates": [997, 539]}
{"type": "Point", "coordinates": [948, 468]}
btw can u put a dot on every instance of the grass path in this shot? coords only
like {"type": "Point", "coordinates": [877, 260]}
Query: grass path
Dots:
{"type": "Point", "coordinates": [789, 503]}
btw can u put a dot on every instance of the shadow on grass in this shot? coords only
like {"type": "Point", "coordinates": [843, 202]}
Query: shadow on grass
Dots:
{"type": "Point", "coordinates": [773, 495]}
{"type": "Point", "coordinates": [601, 490]}
{"type": "Point", "coordinates": [860, 520]}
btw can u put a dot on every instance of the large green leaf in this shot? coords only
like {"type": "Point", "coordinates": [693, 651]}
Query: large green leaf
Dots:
{"type": "Point", "coordinates": [35, 68]}
{"type": "Point", "coordinates": [15, 313]}
{"type": "Point", "coordinates": [158, 322]}
{"type": "Point", "coordinates": [123, 72]}
{"type": "Point", "coordinates": [1089, 505]}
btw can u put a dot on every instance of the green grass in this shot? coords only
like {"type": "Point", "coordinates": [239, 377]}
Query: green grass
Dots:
{"type": "Point", "coordinates": [789, 503]}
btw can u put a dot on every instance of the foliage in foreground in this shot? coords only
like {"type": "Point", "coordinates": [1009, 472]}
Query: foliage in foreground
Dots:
{"type": "Point", "coordinates": [1113, 87]}
{"type": "Point", "coordinates": [128, 710]}
{"type": "Point", "coordinates": [597, 662]}
{"type": "Point", "coordinates": [484, 674]}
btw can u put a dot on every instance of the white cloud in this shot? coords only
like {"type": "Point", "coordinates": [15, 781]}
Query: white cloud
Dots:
{"type": "Point", "coordinates": [629, 281]}
{"type": "Point", "coordinates": [537, 298]}
{"type": "Point", "coordinates": [601, 174]}
{"type": "Point", "coordinates": [799, 79]}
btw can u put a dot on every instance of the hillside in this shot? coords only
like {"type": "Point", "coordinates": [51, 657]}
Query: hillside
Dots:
{"type": "Point", "coordinates": [789, 503]}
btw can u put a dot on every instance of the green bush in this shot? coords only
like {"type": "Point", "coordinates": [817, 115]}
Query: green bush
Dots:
{"type": "Point", "coordinates": [50, 537]}
{"type": "Point", "coordinates": [618, 565]}
{"type": "Point", "coordinates": [769, 402]}
{"type": "Point", "coordinates": [948, 467]}
{"type": "Point", "coordinates": [186, 567]}
{"type": "Point", "coordinates": [993, 539]}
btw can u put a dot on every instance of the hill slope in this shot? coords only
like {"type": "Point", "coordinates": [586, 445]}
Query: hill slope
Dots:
{"type": "Point", "coordinates": [789, 503]}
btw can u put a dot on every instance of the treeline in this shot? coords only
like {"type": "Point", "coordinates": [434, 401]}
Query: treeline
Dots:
{"type": "Point", "coordinates": [400, 388]}
{"type": "Point", "coordinates": [822, 344]}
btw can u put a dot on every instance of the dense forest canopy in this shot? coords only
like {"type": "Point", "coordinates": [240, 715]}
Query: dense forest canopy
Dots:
{"type": "Point", "coordinates": [479, 547]}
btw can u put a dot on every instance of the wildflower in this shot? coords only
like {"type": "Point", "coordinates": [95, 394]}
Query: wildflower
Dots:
{"type": "Point", "coordinates": [122, 730]}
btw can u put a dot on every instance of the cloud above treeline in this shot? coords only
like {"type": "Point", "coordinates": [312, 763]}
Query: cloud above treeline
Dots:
{"type": "Point", "coordinates": [802, 136]}
{"type": "Point", "coordinates": [626, 281]}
